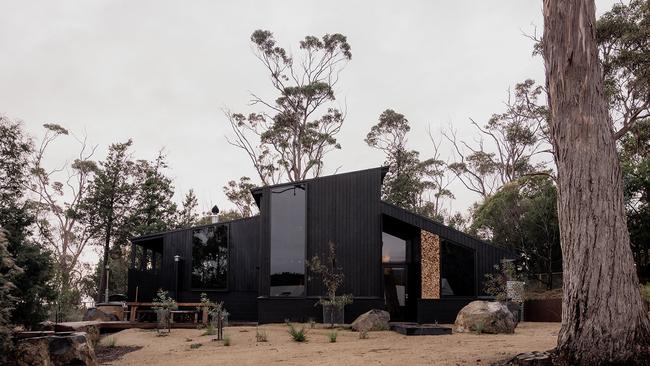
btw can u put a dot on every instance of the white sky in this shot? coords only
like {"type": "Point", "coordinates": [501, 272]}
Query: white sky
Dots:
{"type": "Point", "coordinates": [161, 71]}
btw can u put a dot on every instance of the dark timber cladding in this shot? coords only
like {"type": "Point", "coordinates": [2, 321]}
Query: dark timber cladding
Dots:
{"type": "Point", "coordinates": [487, 255]}
{"type": "Point", "coordinates": [241, 293]}
{"type": "Point", "coordinates": [344, 209]}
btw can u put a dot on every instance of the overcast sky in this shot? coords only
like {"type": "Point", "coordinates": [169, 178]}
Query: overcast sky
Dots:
{"type": "Point", "coordinates": [160, 72]}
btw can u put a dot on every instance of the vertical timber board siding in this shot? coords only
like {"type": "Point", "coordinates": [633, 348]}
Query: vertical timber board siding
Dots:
{"type": "Point", "coordinates": [345, 209]}
{"type": "Point", "coordinates": [244, 254]}
{"type": "Point", "coordinates": [430, 259]}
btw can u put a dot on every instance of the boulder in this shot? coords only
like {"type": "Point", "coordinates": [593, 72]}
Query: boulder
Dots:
{"type": "Point", "coordinates": [33, 351]}
{"type": "Point", "coordinates": [94, 314]}
{"type": "Point", "coordinates": [485, 317]}
{"type": "Point", "coordinates": [56, 350]}
{"type": "Point", "coordinates": [72, 349]}
{"type": "Point", "coordinates": [374, 319]}
{"type": "Point", "coordinates": [91, 328]}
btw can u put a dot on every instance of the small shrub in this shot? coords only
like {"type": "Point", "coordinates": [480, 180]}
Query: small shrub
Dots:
{"type": "Point", "coordinates": [210, 330]}
{"type": "Point", "coordinates": [363, 334]}
{"type": "Point", "coordinates": [195, 345]}
{"type": "Point", "coordinates": [163, 305]}
{"type": "Point", "coordinates": [332, 336]}
{"type": "Point", "coordinates": [261, 336]}
{"type": "Point", "coordinates": [478, 327]}
{"type": "Point", "coordinates": [110, 342]}
{"type": "Point", "coordinates": [226, 340]}
{"type": "Point", "coordinates": [297, 335]}
{"type": "Point", "coordinates": [287, 322]}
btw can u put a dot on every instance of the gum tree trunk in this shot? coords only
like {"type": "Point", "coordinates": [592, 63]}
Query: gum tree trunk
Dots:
{"type": "Point", "coordinates": [603, 319]}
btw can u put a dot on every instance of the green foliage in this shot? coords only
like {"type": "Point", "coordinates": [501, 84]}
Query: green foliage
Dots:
{"type": "Point", "coordinates": [495, 283]}
{"type": "Point", "coordinates": [195, 345]}
{"type": "Point", "coordinates": [522, 215]}
{"type": "Point", "coordinates": [109, 342]}
{"type": "Point", "coordinates": [634, 154]}
{"type": "Point", "coordinates": [187, 216]}
{"type": "Point", "coordinates": [517, 136]}
{"type": "Point", "coordinates": [163, 305]}
{"type": "Point", "coordinates": [332, 277]}
{"type": "Point", "coordinates": [226, 340]}
{"type": "Point", "coordinates": [216, 312]}
{"type": "Point", "coordinates": [8, 271]}
{"type": "Point", "coordinates": [297, 335]}
{"type": "Point", "coordinates": [297, 128]}
{"type": "Point", "coordinates": [261, 336]}
{"type": "Point", "coordinates": [154, 209]}
{"type": "Point", "coordinates": [210, 330]}
{"type": "Point", "coordinates": [33, 288]}
{"type": "Point", "coordinates": [332, 336]}
{"type": "Point", "coordinates": [409, 179]}
{"type": "Point", "coordinates": [239, 193]}
{"type": "Point", "coordinates": [624, 50]}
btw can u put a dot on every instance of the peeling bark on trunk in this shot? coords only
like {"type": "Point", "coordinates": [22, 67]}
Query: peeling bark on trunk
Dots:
{"type": "Point", "coordinates": [603, 319]}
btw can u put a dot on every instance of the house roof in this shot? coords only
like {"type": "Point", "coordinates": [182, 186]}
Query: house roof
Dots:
{"type": "Point", "coordinates": [257, 191]}
{"type": "Point", "coordinates": [438, 228]}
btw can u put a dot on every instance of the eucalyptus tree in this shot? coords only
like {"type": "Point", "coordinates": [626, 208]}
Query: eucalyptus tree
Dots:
{"type": "Point", "coordinates": [512, 144]}
{"type": "Point", "coordinates": [289, 137]}
{"type": "Point", "coordinates": [58, 194]}
{"type": "Point", "coordinates": [603, 316]}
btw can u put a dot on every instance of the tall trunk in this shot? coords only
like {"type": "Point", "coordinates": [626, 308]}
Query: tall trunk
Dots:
{"type": "Point", "coordinates": [603, 320]}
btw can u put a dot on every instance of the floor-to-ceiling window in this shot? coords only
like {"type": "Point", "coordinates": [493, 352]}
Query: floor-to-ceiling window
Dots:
{"type": "Point", "coordinates": [393, 258]}
{"type": "Point", "coordinates": [288, 220]}
{"type": "Point", "coordinates": [210, 258]}
{"type": "Point", "coordinates": [458, 270]}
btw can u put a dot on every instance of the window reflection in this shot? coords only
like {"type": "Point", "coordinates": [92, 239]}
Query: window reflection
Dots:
{"type": "Point", "coordinates": [210, 257]}
{"type": "Point", "coordinates": [287, 214]}
{"type": "Point", "coordinates": [458, 277]}
{"type": "Point", "coordinates": [393, 249]}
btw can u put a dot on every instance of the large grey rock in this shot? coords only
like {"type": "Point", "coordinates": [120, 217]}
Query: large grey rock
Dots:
{"type": "Point", "coordinates": [485, 317]}
{"type": "Point", "coordinates": [534, 358]}
{"type": "Point", "coordinates": [91, 328]}
{"type": "Point", "coordinates": [56, 350]}
{"type": "Point", "coordinates": [374, 319]}
{"type": "Point", "coordinates": [73, 349]}
{"type": "Point", "coordinates": [33, 351]}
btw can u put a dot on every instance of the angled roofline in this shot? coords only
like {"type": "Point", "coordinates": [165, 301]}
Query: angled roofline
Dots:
{"type": "Point", "coordinates": [257, 191]}
{"type": "Point", "coordinates": [439, 225]}
{"type": "Point", "coordinates": [161, 233]}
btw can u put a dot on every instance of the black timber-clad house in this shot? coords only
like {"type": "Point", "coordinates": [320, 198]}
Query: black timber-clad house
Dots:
{"type": "Point", "coordinates": [393, 259]}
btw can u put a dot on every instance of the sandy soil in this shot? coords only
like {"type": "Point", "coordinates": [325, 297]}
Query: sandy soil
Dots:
{"type": "Point", "coordinates": [381, 348]}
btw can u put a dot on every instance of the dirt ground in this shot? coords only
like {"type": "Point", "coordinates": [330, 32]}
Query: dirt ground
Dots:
{"type": "Point", "coordinates": [381, 348]}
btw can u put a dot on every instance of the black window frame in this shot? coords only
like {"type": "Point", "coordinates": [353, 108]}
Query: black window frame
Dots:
{"type": "Point", "coordinates": [228, 266]}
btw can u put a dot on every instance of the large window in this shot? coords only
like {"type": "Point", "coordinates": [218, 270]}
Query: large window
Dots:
{"type": "Point", "coordinates": [210, 258]}
{"type": "Point", "coordinates": [287, 214]}
{"type": "Point", "coordinates": [393, 249]}
{"type": "Point", "coordinates": [458, 276]}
